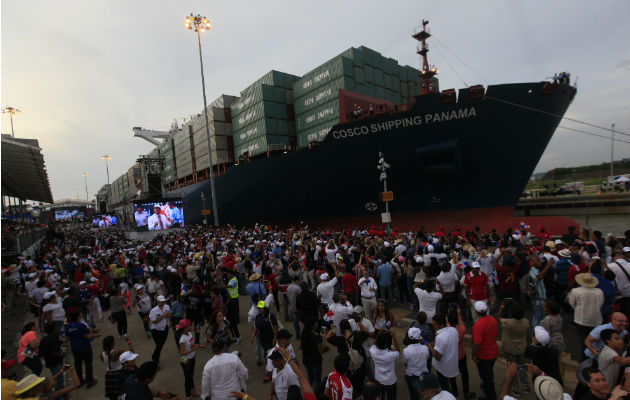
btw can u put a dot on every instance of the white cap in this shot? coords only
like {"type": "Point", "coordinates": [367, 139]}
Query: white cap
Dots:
{"type": "Point", "coordinates": [418, 259]}
{"type": "Point", "coordinates": [558, 241]}
{"type": "Point", "coordinates": [481, 306]}
{"type": "Point", "coordinates": [32, 275]}
{"type": "Point", "coordinates": [430, 248]}
{"type": "Point", "coordinates": [357, 309]}
{"type": "Point", "coordinates": [127, 356]}
{"type": "Point", "coordinates": [48, 295]}
{"type": "Point", "coordinates": [161, 298]}
{"type": "Point", "coordinates": [541, 335]}
{"type": "Point", "coordinates": [93, 279]}
{"type": "Point", "coordinates": [386, 244]}
{"type": "Point", "coordinates": [475, 264]}
{"type": "Point", "coordinates": [626, 249]}
{"type": "Point", "coordinates": [138, 286]}
{"type": "Point", "coordinates": [323, 276]}
{"type": "Point", "coordinates": [82, 283]}
{"type": "Point", "coordinates": [414, 333]}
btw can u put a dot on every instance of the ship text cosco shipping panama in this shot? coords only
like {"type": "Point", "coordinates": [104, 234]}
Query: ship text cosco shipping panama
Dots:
{"type": "Point", "coordinates": [405, 122]}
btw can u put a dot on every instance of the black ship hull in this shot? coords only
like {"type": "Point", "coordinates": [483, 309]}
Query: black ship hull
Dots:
{"type": "Point", "coordinates": [470, 154]}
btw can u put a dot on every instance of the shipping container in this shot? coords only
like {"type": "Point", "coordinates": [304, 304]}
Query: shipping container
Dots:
{"type": "Point", "coordinates": [218, 157]}
{"type": "Point", "coordinates": [322, 94]}
{"type": "Point", "coordinates": [184, 170]}
{"type": "Point", "coordinates": [217, 142]}
{"type": "Point", "coordinates": [263, 127]}
{"type": "Point", "coordinates": [317, 116]}
{"type": "Point", "coordinates": [255, 94]}
{"type": "Point", "coordinates": [263, 109]}
{"type": "Point", "coordinates": [314, 134]}
{"type": "Point", "coordinates": [329, 71]}
{"type": "Point", "coordinates": [260, 145]}
{"type": "Point", "coordinates": [169, 178]}
{"type": "Point", "coordinates": [183, 158]}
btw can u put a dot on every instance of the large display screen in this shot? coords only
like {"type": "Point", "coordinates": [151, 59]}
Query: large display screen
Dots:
{"type": "Point", "coordinates": [67, 213]}
{"type": "Point", "coordinates": [104, 220]}
{"type": "Point", "coordinates": [155, 216]}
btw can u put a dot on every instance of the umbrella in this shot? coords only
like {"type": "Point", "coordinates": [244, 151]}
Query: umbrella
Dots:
{"type": "Point", "coordinates": [622, 179]}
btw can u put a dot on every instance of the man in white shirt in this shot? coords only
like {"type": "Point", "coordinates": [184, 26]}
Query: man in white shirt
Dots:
{"type": "Point", "coordinates": [326, 288]}
{"type": "Point", "coordinates": [157, 221]}
{"type": "Point", "coordinates": [223, 374]}
{"type": "Point", "coordinates": [428, 387]}
{"type": "Point", "coordinates": [445, 351]}
{"type": "Point", "coordinates": [331, 251]}
{"type": "Point", "coordinates": [415, 357]}
{"type": "Point", "coordinates": [368, 288]}
{"type": "Point", "coordinates": [159, 317]}
{"type": "Point", "coordinates": [142, 218]}
{"type": "Point", "coordinates": [357, 311]}
{"type": "Point", "coordinates": [341, 310]}
{"type": "Point", "coordinates": [621, 267]}
{"type": "Point", "coordinates": [284, 337]}
{"type": "Point", "coordinates": [283, 376]}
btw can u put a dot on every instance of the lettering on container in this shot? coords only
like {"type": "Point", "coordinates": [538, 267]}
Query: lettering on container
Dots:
{"type": "Point", "coordinates": [250, 132]}
{"type": "Point", "coordinates": [317, 78]}
{"type": "Point", "coordinates": [319, 115]}
{"type": "Point", "coordinates": [418, 120]}
{"type": "Point", "coordinates": [317, 136]}
{"type": "Point", "coordinates": [247, 117]}
{"type": "Point", "coordinates": [319, 96]}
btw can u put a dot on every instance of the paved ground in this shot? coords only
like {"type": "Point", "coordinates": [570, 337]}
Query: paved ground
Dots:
{"type": "Point", "coordinates": [170, 377]}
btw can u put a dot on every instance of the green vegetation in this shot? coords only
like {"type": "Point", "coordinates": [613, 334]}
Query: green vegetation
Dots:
{"type": "Point", "coordinates": [589, 174]}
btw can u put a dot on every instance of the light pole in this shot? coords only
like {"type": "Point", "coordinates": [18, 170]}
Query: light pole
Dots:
{"type": "Point", "coordinates": [76, 192]}
{"type": "Point", "coordinates": [11, 111]}
{"type": "Point", "coordinates": [383, 167]}
{"type": "Point", "coordinates": [203, 199]}
{"type": "Point", "coordinates": [86, 191]}
{"type": "Point", "coordinates": [612, 148]}
{"type": "Point", "coordinates": [107, 157]}
{"type": "Point", "coordinates": [201, 24]}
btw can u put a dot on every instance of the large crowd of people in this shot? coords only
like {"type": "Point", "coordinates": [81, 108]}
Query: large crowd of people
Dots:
{"type": "Point", "coordinates": [338, 292]}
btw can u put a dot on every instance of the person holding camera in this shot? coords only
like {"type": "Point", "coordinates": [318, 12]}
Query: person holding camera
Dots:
{"type": "Point", "coordinates": [514, 341]}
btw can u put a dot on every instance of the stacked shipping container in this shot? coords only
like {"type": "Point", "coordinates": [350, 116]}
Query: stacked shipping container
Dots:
{"type": "Point", "coordinates": [264, 114]}
{"type": "Point", "coordinates": [220, 127]}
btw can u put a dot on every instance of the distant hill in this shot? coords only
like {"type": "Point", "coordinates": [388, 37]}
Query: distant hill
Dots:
{"type": "Point", "coordinates": [587, 172]}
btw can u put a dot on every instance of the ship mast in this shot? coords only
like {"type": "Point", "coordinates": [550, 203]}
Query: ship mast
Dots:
{"type": "Point", "coordinates": [427, 72]}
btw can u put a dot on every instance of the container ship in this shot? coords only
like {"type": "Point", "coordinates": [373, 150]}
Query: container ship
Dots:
{"type": "Point", "coordinates": [293, 149]}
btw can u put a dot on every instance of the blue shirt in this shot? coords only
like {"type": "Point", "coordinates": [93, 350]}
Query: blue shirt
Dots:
{"type": "Point", "coordinates": [608, 288]}
{"type": "Point", "coordinates": [599, 343]}
{"type": "Point", "coordinates": [177, 215]}
{"type": "Point", "coordinates": [255, 288]}
{"type": "Point", "coordinates": [85, 296]}
{"type": "Point", "coordinates": [384, 272]}
{"type": "Point", "coordinates": [562, 271]}
{"type": "Point", "coordinates": [177, 309]}
{"type": "Point", "coordinates": [76, 332]}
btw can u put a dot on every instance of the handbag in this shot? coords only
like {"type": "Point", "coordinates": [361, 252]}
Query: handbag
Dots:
{"type": "Point", "coordinates": [356, 360]}
{"type": "Point", "coordinates": [28, 351]}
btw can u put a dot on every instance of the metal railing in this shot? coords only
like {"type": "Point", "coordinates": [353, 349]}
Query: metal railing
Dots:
{"type": "Point", "coordinates": [14, 245]}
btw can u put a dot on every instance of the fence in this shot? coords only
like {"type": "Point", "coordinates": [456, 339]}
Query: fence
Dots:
{"type": "Point", "coordinates": [15, 245]}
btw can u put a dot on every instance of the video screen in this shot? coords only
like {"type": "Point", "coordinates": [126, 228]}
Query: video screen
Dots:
{"type": "Point", "coordinates": [104, 220]}
{"type": "Point", "coordinates": [67, 213]}
{"type": "Point", "coordinates": [156, 216]}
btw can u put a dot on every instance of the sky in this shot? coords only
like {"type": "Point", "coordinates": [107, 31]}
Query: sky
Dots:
{"type": "Point", "coordinates": [84, 73]}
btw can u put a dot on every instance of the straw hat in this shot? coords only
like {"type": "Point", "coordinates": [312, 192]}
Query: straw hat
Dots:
{"type": "Point", "coordinates": [254, 277]}
{"type": "Point", "coordinates": [586, 280]}
{"type": "Point", "coordinates": [547, 388]}
{"type": "Point", "coordinates": [27, 383]}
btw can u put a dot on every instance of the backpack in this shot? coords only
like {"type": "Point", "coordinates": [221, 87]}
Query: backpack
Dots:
{"type": "Point", "coordinates": [356, 360]}
{"type": "Point", "coordinates": [527, 286]}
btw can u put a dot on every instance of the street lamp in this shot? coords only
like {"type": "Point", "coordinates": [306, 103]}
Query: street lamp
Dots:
{"type": "Point", "coordinates": [383, 166]}
{"type": "Point", "coordinates": [86, 191]}
{"type": "Point", "coordinates": [201, 24]}
{"type": "Point", "coordinates": [107, 157]}
{"type": "Point", "coordinates": [76, 192]}
{"type": "Point", "coordinates": [11, 111]}
{"type": "Point", "coordinates": [203, 199]}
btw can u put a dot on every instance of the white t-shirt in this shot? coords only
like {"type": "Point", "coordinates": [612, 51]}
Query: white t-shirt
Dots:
{"type": "Point", "coordinates": [325, 290]}
{"type": "Point", "coordinates": [447, 279]}
{"type": "Point", "coordinates": [446, 343]}
{"type": "Point", "coordinates": [443, 395]}
{"type": "Point", "coordinates": [222, 375]}
{"type": "Point", "coordinates": [276, 347]}
{"type": "Point", "coordinates": [623, 284]}
{"type": "Point", "coordinates": [428, 301]}
{"type": "Point", "coordinates": [155, 313]}
{"type": "Point", "coordinates": [370, 328]}
{"type": "Point", "coordinates": [415, 357]}
{"type": "Point", "coordinates": [282, 380]}
{"type": "Point", "coordinates": [365, 287]}
{"type": "Point", "coordinates": [384, 373]}
{"type": "Point", "coordinates": [189, 340]}
{"type": "Point", "coordinates": [342, 311]}
{"type": "Point", "coordinates": [330, 254]}
{"type": "Point", "coordinates": [58, 313]}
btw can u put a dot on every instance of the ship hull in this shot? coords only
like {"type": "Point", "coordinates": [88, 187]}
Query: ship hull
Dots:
{"type": "Point", "coordinates": [473, 154]}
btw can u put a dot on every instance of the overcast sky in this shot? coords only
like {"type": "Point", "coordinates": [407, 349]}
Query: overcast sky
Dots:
{"type": "Point", "coordinates": [85, 73]}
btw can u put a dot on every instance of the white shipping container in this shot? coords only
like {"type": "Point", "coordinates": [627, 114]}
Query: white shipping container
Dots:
{"type": "Point", "coordinates": [184, 170]}
{"type": "Point", "coordinates": [183, 158]}
{"type": "Point", "coordinates": [218, 157]}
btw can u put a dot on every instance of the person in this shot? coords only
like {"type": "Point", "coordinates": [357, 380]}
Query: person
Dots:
{"type": "Point", "coordinates": [620, 265]}
{"type": "Point", "coordinates": [428, 387]}
{"type": "Point", "coordinates": [223, 374]}
{"type": "Point", "coordinates": [594, 343]}
{"type": "Point", "coordinates": [177, 314]}
{"type": "Point", "coordinates": [283, 376]}
{"type": "Point", "coordinates": [351, 340]}
{"type": "Point", "coordinates": [476, 285]}
{"type": "Point", "coordinates": [384, 359]}
{"type": "Point", "coordinates": [50, 350]}
{"type": "Point", "coordinates": [284, 338]}
{"type": "Point", "coordinates": [599, 388]}
{"type": "Point", "coordinates": [79, 335]}
{"type": "Point", "coordinates": [428, 297]}
{"type": "Point", "coordinates": [157, 220]}
{"type": "Point", "coordinates": [312, 349]}
{"type": "Point", "coordinates": [537, 276]}
{"type": "Point", "coordinates": [382, 318]}
{"type": "Point", "coordinates": [326, 289]}
{"type": "Point", "coordinates": [484, 348]}
{"type": "Point", "coordinates": [187, 352]}
{"type": "Point", "coordinates": [118, 314]}
{"type": "Point", "coordinates": [553, 324]}
{"type": "Point", "coordinates": [128, 361]}
{"type": "Point", "coordinates": [612, 357]}
{"type": "Point", "coordinates": [28, 344]}
{"type": "Point", "coordinates": [142, 219]}
{"type": "Point", "coordinates": [514, 342]}
{"type": "Point", "coordinates": [177, 216]}
{"type": "Point", "coordinates": [586, 302]}
{"type": "Point", "coordinates": [255, 287]}
{"type": "Point", "coordinates": [219, 329]}
{"type": "Point", "coordinates": [36, 387]}
{"type": "Point", "coordinates": [143, 302]}
{"type": "Point", "coordinates": [445, 352]}
{"type": "Point", "coordinates": [111, 358]}
{"type": "Point", "coordinates": [293, 291]}
{"type": "Point", "coordinates": [384, 274]}
{"type": "Point", "coordinates": [338, 386]}
{"type": "Point", "coordinates": [159, 317]}
{"type": "Point", "coordinates": [232, 306]}
{"type": "Point", "coordinates": [307, 303]}
{"type": "Point", "coordinates": [53, 311]}
{"type": "Point", "coordinates": [542, 355]}
{"type": "Point", "coordinates": [265, 327]}
{"type": "Point", "coordinates": [368, 288]}
{"type": "Point", "coordinates": [349, 284]}
{"type": "Point", "coordinates": [340, 310]}
{"type": "Point", "coordinates": [415, 357]}
{"type": "Point", "coordinates": [136, 387]}
{"type": "Point", "coordinates": [561, 269]}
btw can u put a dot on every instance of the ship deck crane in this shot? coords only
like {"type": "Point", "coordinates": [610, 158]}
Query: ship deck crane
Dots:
{"type": "Point", "coordinates": [149, 135]}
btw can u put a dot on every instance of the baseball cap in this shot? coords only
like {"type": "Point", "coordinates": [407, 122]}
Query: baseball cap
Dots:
{"type": "Point", "coordinates": [357, 310]}
{"type": "Point", "coordinates": [138, 286]}
{"type": "Point", "coordinates": [127, 356]}
{"type": "Point", "coordinates": [261, 304]}
{"type": "Point", "coordinates": [82, 283]}
{"type": "Point", "coordinates": [183, 323]}
{"type": "Point", "coordinates": [323, 276]}
{"type": "Point", "coordinates": [626, 249]}
{"type": "Point", "coordinates": [48, 295]}
{"type": "Point", "coordinates": [426, 381]}
{"type": "Point", "coordinates": [414, 333]}
{"type": "Point", "coordinates": [161, 298]}
{"type": "Point", "coordinates": [481, 306]}
{"type": "Point", "coordinates": [475, 264]}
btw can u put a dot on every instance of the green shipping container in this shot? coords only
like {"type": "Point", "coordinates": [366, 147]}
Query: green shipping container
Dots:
{"type": "Point", "coordinates": [253, 95]}
{"type": "Point", "coordinates": [264, 127]}
{"type": "Point", "coordinates": [322, 75]}
{"type": "Point", "coordinates": [322, 114]}
{"type": "Point", "coordinates": [262, 109]}
{"type": "Point", "coordinates": [261, 145]}
{"type": "Point", "coordinates": [315, 134]}
{"type": "Point", "coordinates": [322, 95]}
{"type": "Point", "coordinates": [378, 78]}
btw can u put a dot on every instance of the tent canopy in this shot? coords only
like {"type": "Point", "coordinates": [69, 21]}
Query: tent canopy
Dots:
{"type": "Point", "coordinates": [23, 171]}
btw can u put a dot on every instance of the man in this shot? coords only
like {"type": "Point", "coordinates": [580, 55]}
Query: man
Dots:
{"type": "Point", "coordinates": [255, 287]}
{"type": "Point", "coordinates": [143, 301]}
{"type": "Point", "coordinates": [338, 386]}
{"type": "Point", "coordinates": [594, 343]}
{"type": "Point", "coordinates": [428, 387]}
{"type": "Point", "coordinates": [306, 303]}
{"type": "Point", "coordinates": [341, 311]}
{"type": "Point", "coordinates": [136, 387]}
{"type": "Point", "coordinates": [484, 348]}
{"type": "Point", "coordinates": [129, 367]}
{"type": "Point", "coordinates": [562, 268]}
{"type": "Point", "coordinates": [368, 292]}
{"type": "Point", "coordinates": [586, 302]}
{"type": "Point", "coordinates": [293, 290]}
{"type": "Point", "coordinates": [159, 317]}
{"type": "Point", "coordinates": [599, 389]}
{"type": "Point", "coordinates": [284, 342]}
{"type": "Point", "coordinates": [223, 374]}
{"type": "Point", "coordinates": [283, 376]}
{"type": "Point", "coordinates": [384, 274]}
{"type": "Point", "coordinates": [621, 267]}
{"type": "Point", "coordinates": [476, 285]}
{"type": "Point", "coordinates": [445, 352]}
{"type": "Point", "coordinates": [176, 216]}
{"type": "Point", "coordinates": [85, 297]}
{"type": "Point", "coordinates": [538, 272]}
{"type": "Point", "coordinates": [50, 350]}
{"type": "Point", "coordinates": [157, 220]}
{"type": "Point", "coordinates": [142, 219]}
{"type": "Point", "coordinates": [415, 357]}
{"type": "Point", "coordinates": [232, 307]}
{"type": "Point", "coordinates": [543, 355]}
{"type": "Point", "coordinates": [609, 360]}
{"type": "Point", "coordinates": [326, 288]}
{"type": "Point", "coordinates": [79, 336]}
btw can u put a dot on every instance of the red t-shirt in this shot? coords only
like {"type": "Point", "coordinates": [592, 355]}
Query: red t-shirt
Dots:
{"type": "Point", "coordinates": [270, 282]}
{"type": "Point", "coordinates": [478, 285]}
{"type": "Point", "coordinates": [340, 387]}
{"type": "Point", "coordinates": [484, 333]}
{"type": "Point", "coordinates": [349, 282]}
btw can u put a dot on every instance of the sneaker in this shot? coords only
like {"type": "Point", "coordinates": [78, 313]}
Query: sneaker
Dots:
{"type": "Point", "coordinates": [238, 340]}
{"type": "Point", "coordinates": [90, 384]}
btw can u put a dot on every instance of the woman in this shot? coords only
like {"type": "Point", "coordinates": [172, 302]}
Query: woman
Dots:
{"type": "Point", "coordinates": [415, 357]}
{"type": "Point", "coordinates": [117, 308]}
{"type": "Point", "coordinates": [113, 366]}
{"type": "Point", "coordinates": [514, 342]}
{"type": "Point", "coordinates": [219, 329]}
{"type": "Point", "coordinates": [53, 310]}
{"type": "Point", "coordinates": [216, 300]}
{"type": "Point", "coordinates": [382, 319]}
{"type": "Point", "coordinates": [34, 387]}
{"type": "Point", "coordinates": [27, 351]}
{"type": "Point", "coordinates": [265, 327]}
{"type": "Point", "coordinates": [269, 279]}
{"type": "Point", "coordinates": [384, 359]}
{"type": "Point", "coordinates": [312, 349]}
{"type": "Point", "coordinates": [187, 347]}
{"type": "Point", "coordinates": [350, 339]}
{"type": "Point", "coordinates": [428, 298]}
{"type": "Point", "coordinates": [553, 323]}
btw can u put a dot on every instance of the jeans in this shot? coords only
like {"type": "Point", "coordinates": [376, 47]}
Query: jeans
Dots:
{"type": "Point", "coordinates": [386, 293]}
{"type": "Point", "coordinates": [463, 370]}
{"type": "Point", "coordinates": [314, 373]}
{"type": "Point", "coordinates": [59, 384]}
{"type": "Point", "coordinates": [285, 303]}
{"type": "Point", "coordinates": [121, 322]}
{"type": "Point", "coordinates": [388, 391]}
{"type": "Point", "coordinates": [539, 313]}
{"type": "Point", "coordinates": [487, 377]}
{"type": "Point", "coordinates": [241, 283]}
{"type": "Point", "coordinates": [159, 337]}
{"type": "Point", "coordinates": [402, 288]}
{"type": "Point", "coordinates": [189, 374]}
{"type": "Point", "coordinates": [296, 324]}
{"type": "Point", "coordinates": [410, 293]}
{"type": "Point", "coordinates": [446, 382]}
{"type": "Point", "coordinates": [83, 356]}
{"type": "Point", "coordinates": [413, 393]}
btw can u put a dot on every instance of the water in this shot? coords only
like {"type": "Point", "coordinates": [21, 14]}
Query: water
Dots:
{"type": "Point", "coordinates": [616, 224]}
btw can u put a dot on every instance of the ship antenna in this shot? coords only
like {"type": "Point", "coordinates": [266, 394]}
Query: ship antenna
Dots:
{"type": "Point", "coordinates": [427, 72]}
